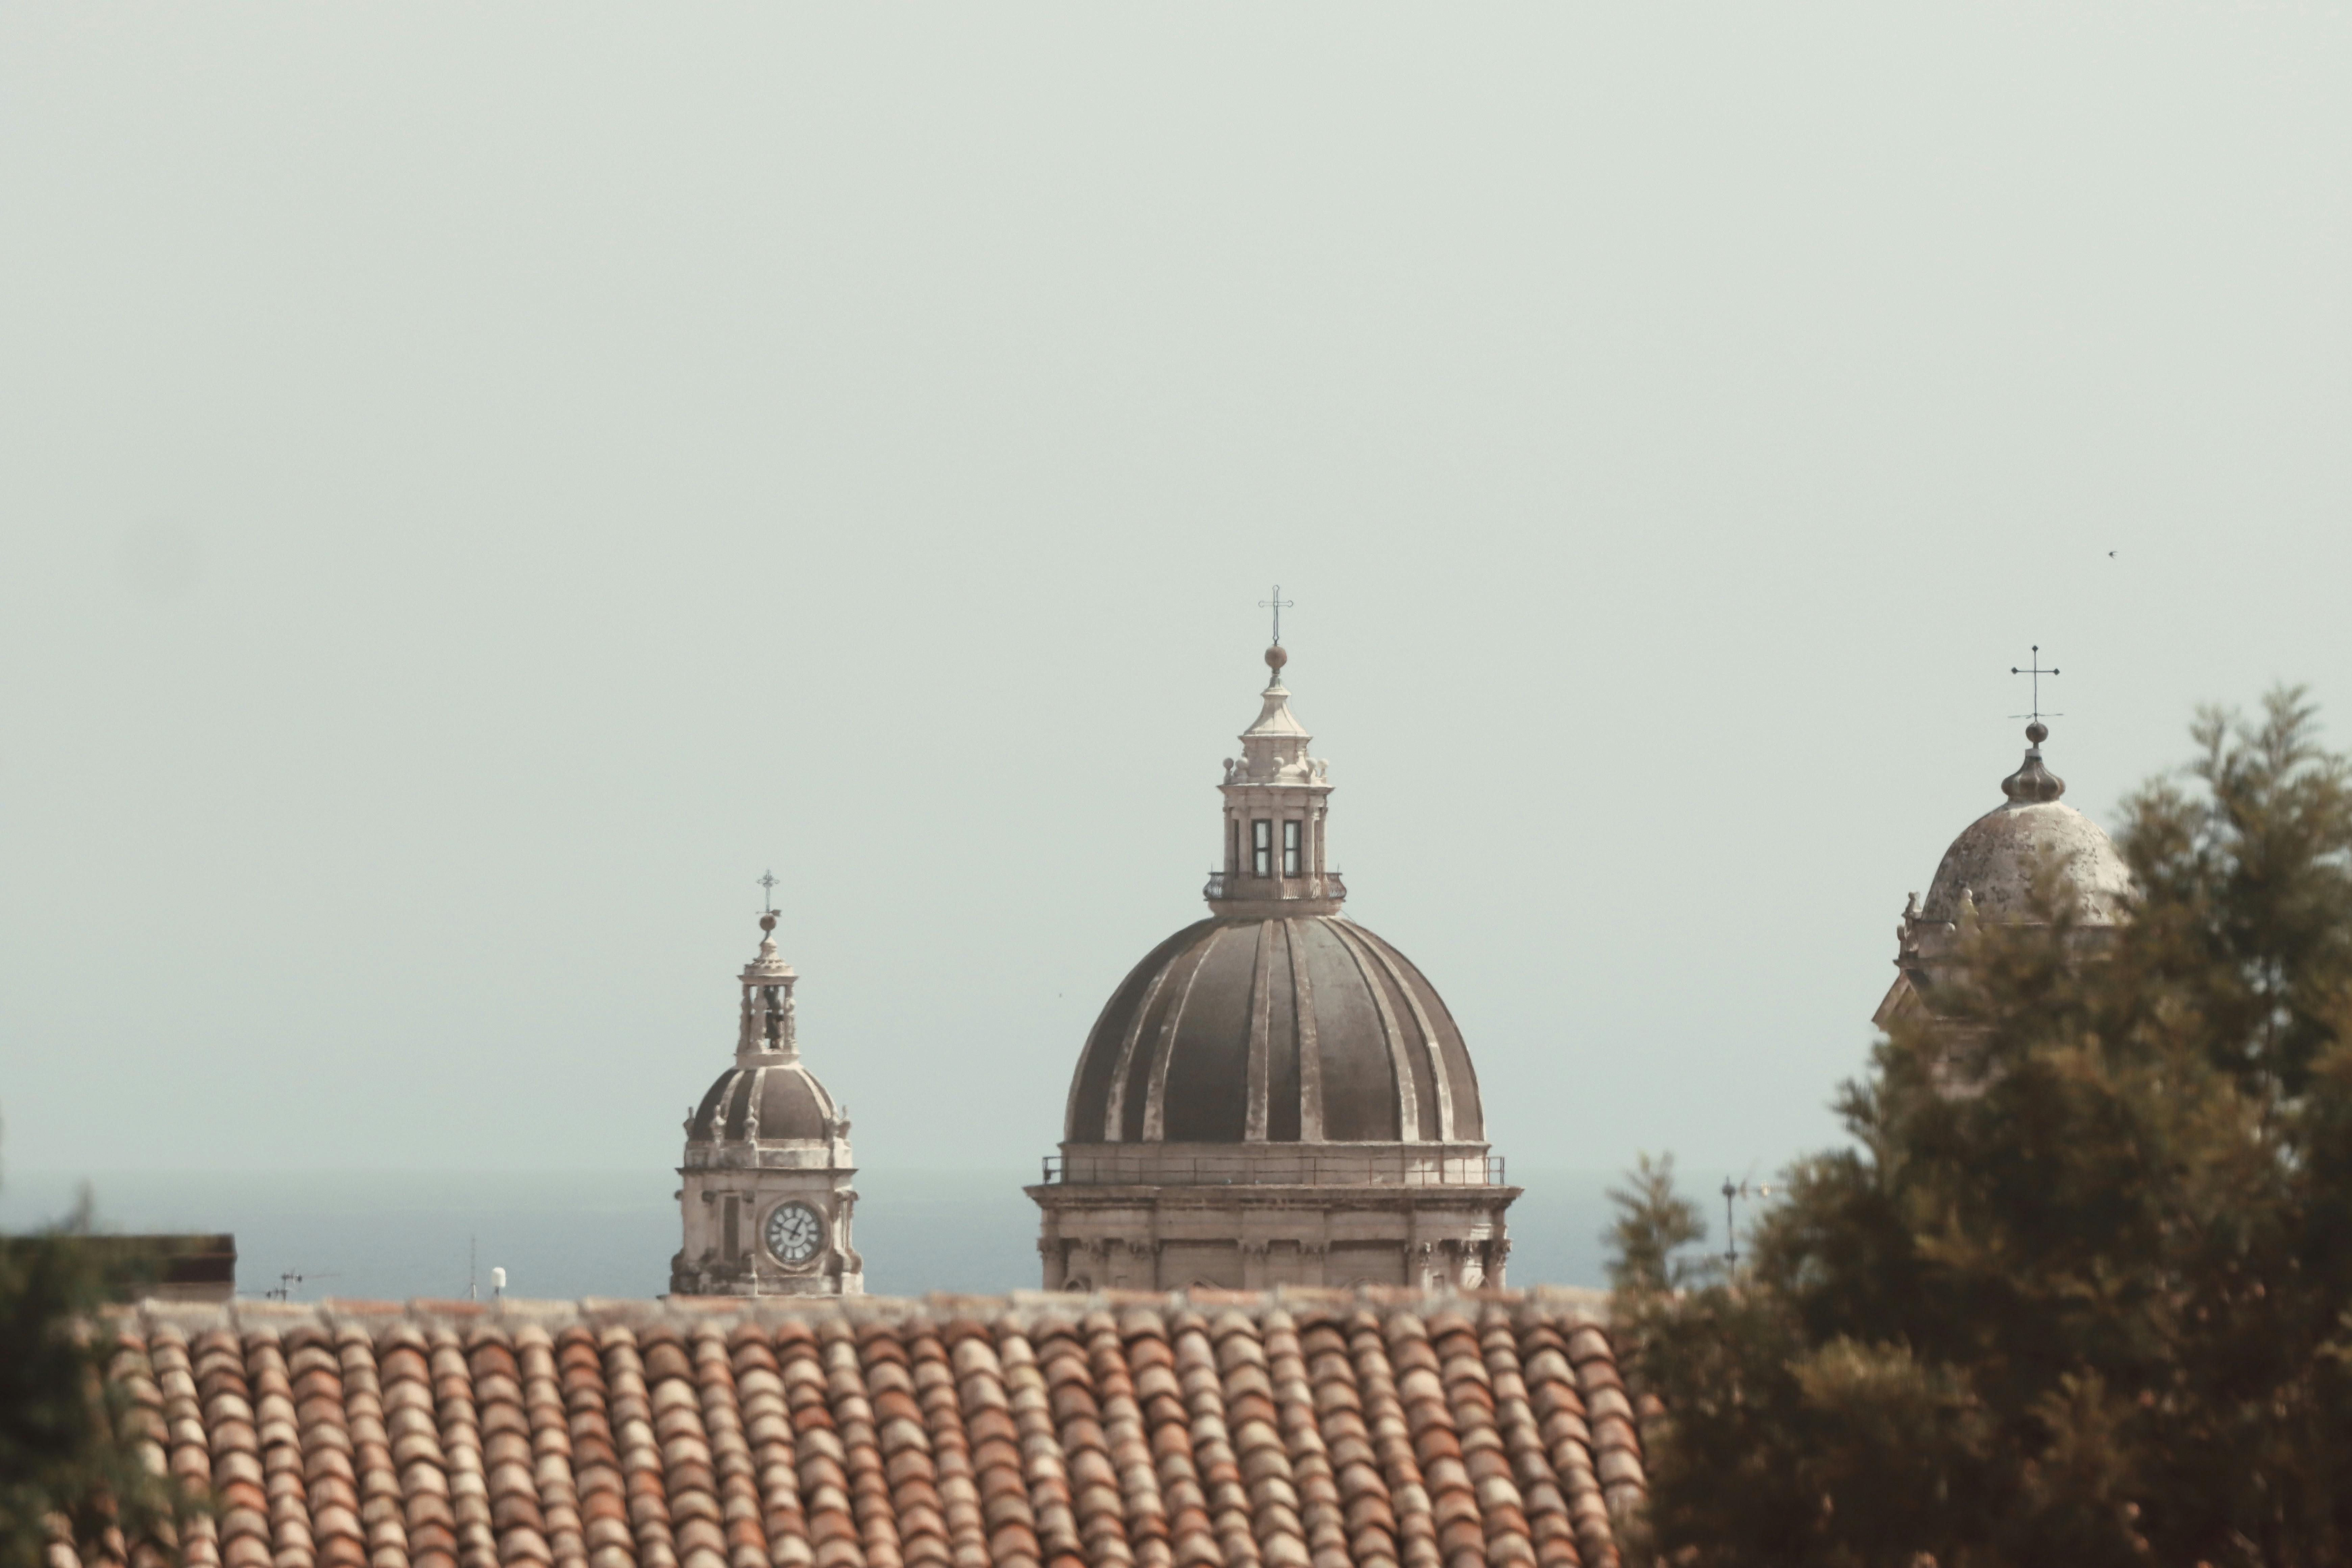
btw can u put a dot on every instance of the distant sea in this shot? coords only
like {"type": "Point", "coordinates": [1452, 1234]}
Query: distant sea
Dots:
{"type": "Point", "coordinates": [397, 1234]}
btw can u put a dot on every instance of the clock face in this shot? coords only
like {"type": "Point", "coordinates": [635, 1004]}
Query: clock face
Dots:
{"type": "Point", "coordinates": [793, 1232]}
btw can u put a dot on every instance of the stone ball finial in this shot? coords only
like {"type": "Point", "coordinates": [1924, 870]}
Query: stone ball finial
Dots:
{"type": "Point", "coordinates": [1275, 657]}
{"type": "Point", "coordinates": [2037, 733]}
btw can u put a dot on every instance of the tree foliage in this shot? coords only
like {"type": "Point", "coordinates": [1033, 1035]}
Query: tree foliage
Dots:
{"type": "Point", "coordinates": [70, 1466]}
{"type": "Point", "coordinates": [2080, 1295]}
{"type": "Point", "coordinates": [1653, 1224]}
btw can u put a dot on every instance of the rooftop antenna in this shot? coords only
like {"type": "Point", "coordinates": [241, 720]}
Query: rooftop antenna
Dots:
{"type": "Point", "coordinates": [1732, 1192]}
{"type": "Point", "coordinates": [768, 896]}
{"type": "Point", "coordinates": [1278, 605]}
{"type": "Point", "coordinates": [2034, 670]}
{"type": "Point", "coordinates": [284, 1289]}
{"type": "Point", "coordinates": [473, 1266]}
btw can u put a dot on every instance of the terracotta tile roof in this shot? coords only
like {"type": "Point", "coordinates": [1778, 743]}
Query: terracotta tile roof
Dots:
{"type": "Point", "coordinates": [1297, 1429]}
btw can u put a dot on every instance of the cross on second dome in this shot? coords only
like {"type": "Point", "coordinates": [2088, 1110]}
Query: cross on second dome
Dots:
{"type": "Point", "coordinates": [2034, 670]}
{"type": "Point", "coordinates": [1278, 605]}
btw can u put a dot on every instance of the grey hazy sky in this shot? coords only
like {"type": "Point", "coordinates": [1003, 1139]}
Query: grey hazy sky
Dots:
{"type": "Point", "coordinates": [478, 483]}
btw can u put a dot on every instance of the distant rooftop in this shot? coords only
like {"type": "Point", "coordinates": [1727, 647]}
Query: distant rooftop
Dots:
{"type": "Point", "coordinates": [1299, 1429]}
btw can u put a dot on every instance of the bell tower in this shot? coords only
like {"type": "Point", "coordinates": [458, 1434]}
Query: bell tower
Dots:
{"type": "Point", "coordinates": [766, 1192]}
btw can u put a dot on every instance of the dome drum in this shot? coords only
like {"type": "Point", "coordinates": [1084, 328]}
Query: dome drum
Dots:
{"type": "Point", "coordinates": [1378, 1165]}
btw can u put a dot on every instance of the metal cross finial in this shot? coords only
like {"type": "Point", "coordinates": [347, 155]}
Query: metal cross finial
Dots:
{"type": "Point", "coordinates": [1278, 605]}
{"type": "Point", "coordinates": [2035, 671]}
{"type": "Point", "coordinates": [767, 900]}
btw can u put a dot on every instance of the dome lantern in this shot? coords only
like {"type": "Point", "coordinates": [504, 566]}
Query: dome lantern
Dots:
{"type": "Point", "coordinates": [1276, 804]}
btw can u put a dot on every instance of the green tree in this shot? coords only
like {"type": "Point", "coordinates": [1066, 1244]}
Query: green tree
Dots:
{"type": "Point", "coordinates": [71, 1467]}
{"type": "Point", "coordinates": [2089, 1306]}
{"type": "Point", "coordinates": [1653, 1224]}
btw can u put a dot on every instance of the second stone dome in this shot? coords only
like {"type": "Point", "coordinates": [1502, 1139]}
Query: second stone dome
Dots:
{"type": "Point", "coordinates": [1284, 1030]}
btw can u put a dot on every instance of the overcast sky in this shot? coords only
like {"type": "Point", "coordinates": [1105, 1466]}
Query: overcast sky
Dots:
{"type": "Point", "coordinates": [479, 484]}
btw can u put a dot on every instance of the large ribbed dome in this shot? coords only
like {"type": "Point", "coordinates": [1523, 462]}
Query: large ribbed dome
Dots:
{"type": "Point", "coordinates": [1308, 1028]}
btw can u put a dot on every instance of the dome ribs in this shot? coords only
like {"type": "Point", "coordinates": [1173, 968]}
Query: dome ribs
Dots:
{"type": "Point", "coordinates": [1455, 1075]}
{"type": "Point", "coordinates": [1163, 1049]}
{"type": "Point", "coordinates": [1439, 1070]}
{"type": "Point", "coordinates": [1253, 1127]}
{"type": "Point", "coordinates": [1275, 1030]}
{"type": "Point", "coordinates": [548, 1431]}
{"type": "Point", "coordinates": [1310, 1050]}
{"type": "Point", "coordinates": [1122, 1117]}
{"type": "Point", "coordinates": [1409, 1123]}
{"type": "Point", "coordinates": [1096, 1086]}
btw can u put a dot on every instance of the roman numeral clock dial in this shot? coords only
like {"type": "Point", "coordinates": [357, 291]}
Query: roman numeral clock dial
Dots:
{"type": "Point", "coordinates": [794, 1233]}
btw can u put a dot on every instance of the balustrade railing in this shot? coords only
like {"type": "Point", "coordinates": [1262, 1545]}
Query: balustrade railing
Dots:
{"type": "Point", "coordinates": [1240, 885]}
{"type": "Point", "coordinates": [1265, 1170]}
